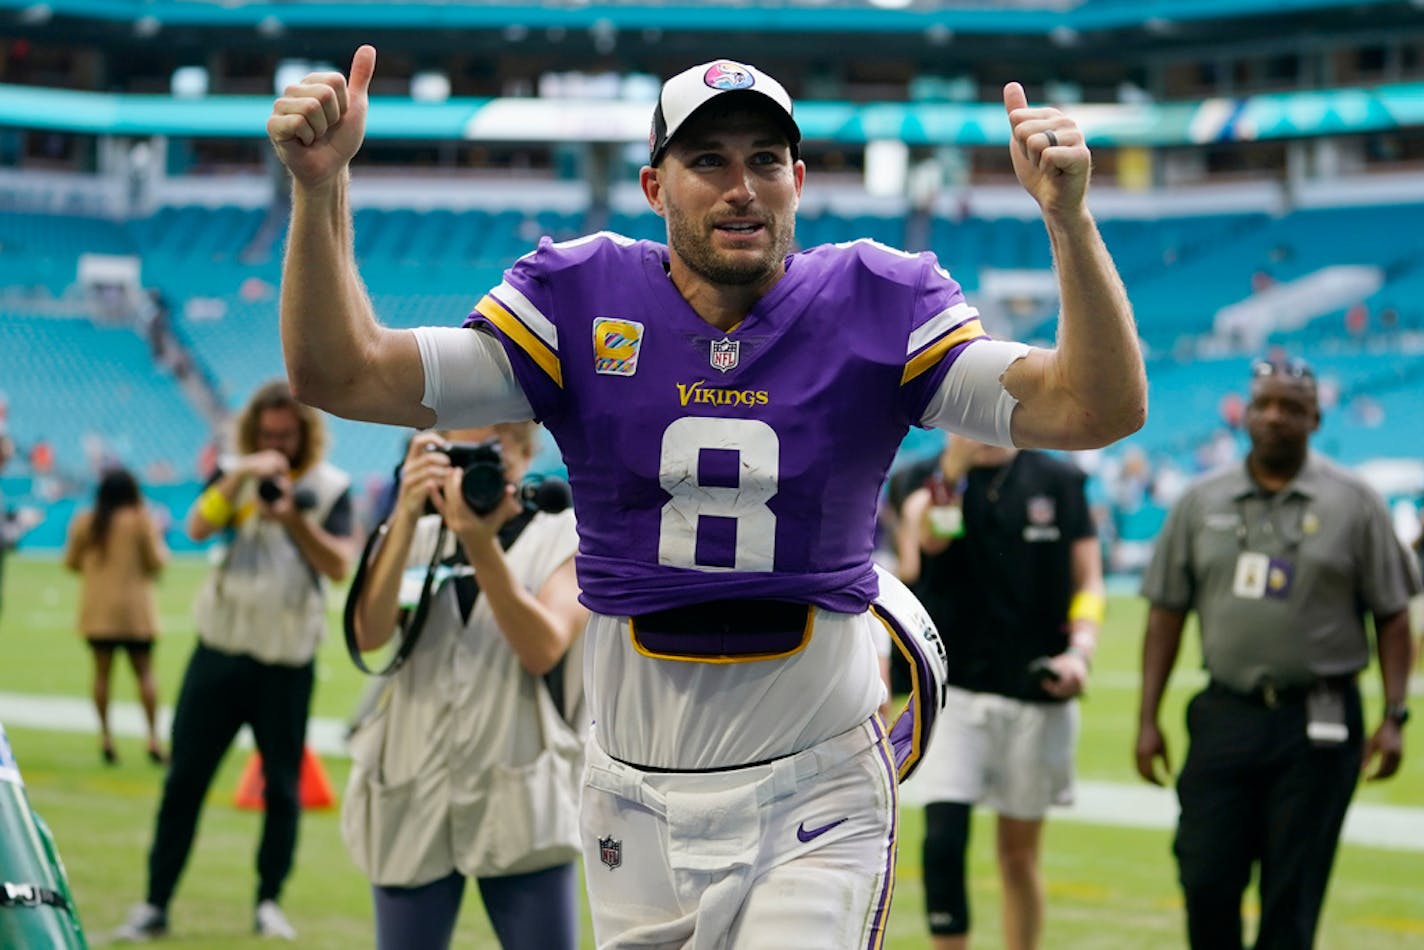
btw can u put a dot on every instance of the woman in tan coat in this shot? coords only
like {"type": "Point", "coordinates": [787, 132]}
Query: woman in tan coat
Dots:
{"type": "Point", "coordinates": [117, 550]}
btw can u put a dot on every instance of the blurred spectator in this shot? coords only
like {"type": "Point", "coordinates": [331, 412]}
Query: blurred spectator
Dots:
{"type": "Point", "coordinates": [117, 550]}
{"type": "Point", "coordinates": [1232, 407]}
{"type": "Point", "coordinates": [98, 455]}
{"type": "Point", "coordinates": [13, 522]}
{"type": "Point", "coordinates": [41, 457]}
{"type": "Point", "coordinates": [1366, 411]}
{"type": "Point", "coordinates": [1218, 450]}
{"type": "Point", "coordinates": [207, 461]}
{"type": "Point", "coordinates": [160, 472]}
{"type": "Point", "coordinates": [1357, 320]}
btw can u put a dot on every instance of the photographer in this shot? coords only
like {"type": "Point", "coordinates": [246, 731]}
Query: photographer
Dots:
{"type": "Point", "coordinates": [286, 521]}
{"type": "Point", "coordinates": [468, 767]}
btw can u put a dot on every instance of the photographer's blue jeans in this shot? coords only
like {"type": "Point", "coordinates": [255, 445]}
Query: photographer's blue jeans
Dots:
{"type": "Point", "coordinates": [534, 911]}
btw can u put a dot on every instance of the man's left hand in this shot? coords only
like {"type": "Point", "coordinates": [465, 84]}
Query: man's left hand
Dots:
{"type": "Point", "coordinates": [1384, 752]}
{"type": "Point", "coordinates": [472, 528]}
{"type": "Point", "coordinates": [1072, 672]}
{"type": "Point", "coordinates": [1050, 154]}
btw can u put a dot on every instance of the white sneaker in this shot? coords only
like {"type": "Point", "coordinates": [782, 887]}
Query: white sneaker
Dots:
{"type": "Point", "coordinates": [144, 923]}
{"type": "Point", "coordinates": [271, 922]}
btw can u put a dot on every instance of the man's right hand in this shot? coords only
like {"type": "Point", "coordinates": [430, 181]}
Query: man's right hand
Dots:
{"type": "Point", "coordinates": [319, 123]}
{"type": "Point", "coordinates": [422, 473]}
{"type": "Point", "coordinates": [1151, 748]}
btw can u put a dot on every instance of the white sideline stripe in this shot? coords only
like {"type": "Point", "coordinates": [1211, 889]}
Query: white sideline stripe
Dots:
{"type": "Point", "coordinates": [1099, 803]}
{"type": "Point", "coordinates": [1395, 827]}
{"type": "Point", "coordinates": [67, 714]}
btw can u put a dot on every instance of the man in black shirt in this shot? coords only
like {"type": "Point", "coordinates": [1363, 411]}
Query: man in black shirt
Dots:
{"type": "Point", "coordinates": [1001, 549]}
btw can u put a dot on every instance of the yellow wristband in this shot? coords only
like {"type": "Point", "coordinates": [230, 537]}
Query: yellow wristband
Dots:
{"type": "Point", "coordinates": [214, 506]}
{"type": "Point", "coordinates": [1088, 605]}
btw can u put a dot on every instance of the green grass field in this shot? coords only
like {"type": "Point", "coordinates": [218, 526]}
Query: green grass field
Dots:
{"type": "Point", "coordinates": [1109, 886]}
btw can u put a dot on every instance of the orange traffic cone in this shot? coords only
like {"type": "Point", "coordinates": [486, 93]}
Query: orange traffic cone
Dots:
{"type": "Point", "coordinates": [314, 788]}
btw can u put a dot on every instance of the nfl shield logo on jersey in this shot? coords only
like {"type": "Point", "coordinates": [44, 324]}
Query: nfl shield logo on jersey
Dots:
{"type": "Point", "coordinates": [725, 353]}
{"type": "Point", "coordinates": [610, 852]}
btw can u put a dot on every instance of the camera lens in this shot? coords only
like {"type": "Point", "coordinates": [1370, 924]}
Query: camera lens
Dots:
{"type": "Point", "coordinates": [483, 487]}
{"type": "Point", "coordinates": [269, 491]}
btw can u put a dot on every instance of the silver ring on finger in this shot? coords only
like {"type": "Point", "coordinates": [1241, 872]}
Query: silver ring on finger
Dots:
{"type": "Point", "coordinates": [1052, 138]}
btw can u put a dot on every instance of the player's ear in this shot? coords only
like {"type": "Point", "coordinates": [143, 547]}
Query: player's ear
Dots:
{"type": "Point", "coordinates": [652, 188]}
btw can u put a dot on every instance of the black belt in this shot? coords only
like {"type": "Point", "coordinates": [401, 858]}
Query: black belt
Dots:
{"type": "Point", "coordinates": [1273, 697]}
{"type": "Point", "coordinates": [721, 768]}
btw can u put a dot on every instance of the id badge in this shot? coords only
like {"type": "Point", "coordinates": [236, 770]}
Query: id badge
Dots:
{"type": "Point", "coordinates": [1325, 717]}
{"type": "Point", "coordinates": [1252, 571]}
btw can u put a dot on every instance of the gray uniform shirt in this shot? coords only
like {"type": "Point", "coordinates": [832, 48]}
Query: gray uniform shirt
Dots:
{"type": "Point", "coordinates": [1280, 582]}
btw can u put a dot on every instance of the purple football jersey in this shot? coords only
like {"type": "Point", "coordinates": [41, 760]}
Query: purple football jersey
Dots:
{"type": "Point", "coordinates": [747, 464]}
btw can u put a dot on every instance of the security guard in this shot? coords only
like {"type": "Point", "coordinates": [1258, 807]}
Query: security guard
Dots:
{"type": "Point", "coordinates": [1280, 558]}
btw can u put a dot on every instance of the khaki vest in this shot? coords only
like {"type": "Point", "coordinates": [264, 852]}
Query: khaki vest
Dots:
{"type": "Point", "coordinates": [465, 764]}
{"type": "Point", "coordinates": [263, 599]}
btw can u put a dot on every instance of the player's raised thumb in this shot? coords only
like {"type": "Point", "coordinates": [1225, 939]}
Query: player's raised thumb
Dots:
{"type": "Point", "coordinates": [1014, 97]}
{"type": "Point", "coordinates": [363, 66]}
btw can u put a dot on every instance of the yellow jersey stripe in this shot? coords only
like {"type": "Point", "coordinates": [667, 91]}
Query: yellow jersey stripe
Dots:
{"type": "Point", "coordinates": [939, 323]}
{"type": "Point", "coordinates": [526, 340]}
{"type": "Point", "coordinates": [932, 354]}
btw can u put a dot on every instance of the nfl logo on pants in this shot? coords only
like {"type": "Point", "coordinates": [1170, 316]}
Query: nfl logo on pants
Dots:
{"type": "Point", "coordinates": [610, 852]}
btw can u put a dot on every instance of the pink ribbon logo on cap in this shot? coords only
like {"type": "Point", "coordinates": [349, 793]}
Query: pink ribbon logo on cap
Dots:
{"type": "Point", "coordinates": [728, 75]}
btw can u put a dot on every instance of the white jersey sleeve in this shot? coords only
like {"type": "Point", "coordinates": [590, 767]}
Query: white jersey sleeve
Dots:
{"type": "Point", "coordinates": [971, 399]}
{"type": "Point", "coordinates": [468, 379]}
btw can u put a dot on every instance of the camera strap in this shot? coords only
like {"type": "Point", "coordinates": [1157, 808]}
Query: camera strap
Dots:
{"type": "Point", "coordinates": [414, 621]}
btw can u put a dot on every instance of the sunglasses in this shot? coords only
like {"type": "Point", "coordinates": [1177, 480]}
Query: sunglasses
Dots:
{"type": "Point", "coordinates": [1292, 367]}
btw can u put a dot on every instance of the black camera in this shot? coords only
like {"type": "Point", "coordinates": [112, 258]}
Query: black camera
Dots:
{"type": "Point", "coordinates": [483, 483]}
{"type": "Point", "coordinates": [270, 491]}
{"type": "Point", "coordinates": [1043, 671]}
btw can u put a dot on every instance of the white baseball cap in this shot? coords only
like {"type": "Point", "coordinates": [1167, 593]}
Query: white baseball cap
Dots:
{"type": "Point", "coordinates": [691, 89]}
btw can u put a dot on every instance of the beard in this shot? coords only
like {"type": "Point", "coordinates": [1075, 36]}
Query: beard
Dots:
{"type": "Point", "coordinates": [693, 244]}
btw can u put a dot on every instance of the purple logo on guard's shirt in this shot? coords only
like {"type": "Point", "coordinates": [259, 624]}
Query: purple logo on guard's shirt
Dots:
{"type": "Point", "coordinates": [728, 75]}
{"type": "Point", "coordinates": [610, 852]}
{"type": "Point", "coordinates": [1041, 510]}
{"type": "Point", "coordinates": [725, 353]}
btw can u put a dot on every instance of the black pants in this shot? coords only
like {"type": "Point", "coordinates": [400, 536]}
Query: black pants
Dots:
{"type": "Point", "coordinates": [1255, 789]}
{"type": "Point", "coordinates": [220, 693]}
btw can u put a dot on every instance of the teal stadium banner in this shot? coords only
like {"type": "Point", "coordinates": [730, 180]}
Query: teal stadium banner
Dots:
{"type": "Point", "coordinates": [1026, 17]}
{"type": "Point", "coordinates": [1248, 118]}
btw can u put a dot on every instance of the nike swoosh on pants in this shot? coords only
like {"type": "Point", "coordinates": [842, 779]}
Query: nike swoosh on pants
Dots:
{"type": "Point", "coordinates": [803, 834]}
